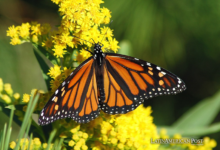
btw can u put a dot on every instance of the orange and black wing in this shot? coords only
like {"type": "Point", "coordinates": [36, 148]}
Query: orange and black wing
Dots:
{"type": "Point", "coordinates": [76, 97]}
{"type": "Point", "coordinates": [129, 81]}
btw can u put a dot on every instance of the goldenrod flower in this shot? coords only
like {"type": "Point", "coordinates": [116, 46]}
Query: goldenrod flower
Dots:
{"type": "Point", "coordinates": [15, 41]}
{"type": "Point", "coordinates": [37, 142]}
{"type": "Point", "coordinates": [44, 145]}
{"type": "Point", "coordinates": [12, 145]}
{"type": "Point", "coordinates": [35, 38]}
{"type": "Point", "coordinates": [24, 143]}
{"type": "Point", "coordinates": [209, 142]}
{"type": "Point", "coordinates": [120, 146]}
{"type": "Point", "coordinates": [8, 89]}
{"type": "Point", "coordinates": [177, 136]}
{"type": "Point", "coordinates": [59, 50]}
{"type": "Point", "coordinates": [66, 38]}
{"type": "Point", "coordinates": [16, 96]}
{"type": "Point", "coordinates": [55, 84]}
{"type": "Point", "coordinates": [6, 98]}
{"type": "Point", "coordinates": [66, 72]}
{"type": "Point", "coordinates": [26, 98]}
{"type": "Point", "coordinates": [47, 44]}
{"type": "Point", "coordinates": [80, 133]}
{"type": "Point", "coordinates": [45, 28]}
{"type": "Point", "coordinates": [85, 54]}
{"type": "Point", "coordinates": [113, 140]}
{"type": "Point", "coordinates": [75, 137]}
{"type": "Point", "coordinates": [71, 143]}
{"type": "Point", "coordinates": [12, 31]}
{"type": "Point", "coordinates": [114, 44]}
{"type": "Point", "coordinates": [85, 135]}
{"type": "Point", "coordinates": [163, 134]}
{"type": "Point", "coordinates": [24, 30]}
{"type": "Point", "coordinates": [54, 71]}
{"type": "Point", "coordinates": [84, 147]}
{"type": "Point", "coordinates": [36, 29]}
{"type": "Point", "coordinates": [74, 130]}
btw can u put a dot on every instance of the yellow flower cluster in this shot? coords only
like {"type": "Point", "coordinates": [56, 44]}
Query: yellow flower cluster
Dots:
{"type": "Point", "coordinates": [6, 93]}
{"type": "Point", "coordinates": [28, 32]}
{"type": "Point", "coordinates": [8, 97]}
{"type": "Point", "coordinates": [79, 139]}
{"type": "Point", "coordinates": [35, 144]}
{"type": "Point", "coordinates": [128, 131]}
{"type": "Point", "coordinates": [80, 24]}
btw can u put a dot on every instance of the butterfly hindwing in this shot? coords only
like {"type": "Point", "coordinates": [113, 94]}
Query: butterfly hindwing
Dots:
{"type": "Point", "coordinates": [128, 81]}
{"type": "Point", "coordinates": [76, 97]}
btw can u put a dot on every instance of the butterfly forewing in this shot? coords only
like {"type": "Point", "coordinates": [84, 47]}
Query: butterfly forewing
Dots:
{"type": "Point", "coordinates": [128, 81]}
{"type": "Point", "coordinates": [76, 97]}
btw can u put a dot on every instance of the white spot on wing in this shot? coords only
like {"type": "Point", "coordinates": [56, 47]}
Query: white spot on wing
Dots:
{"type": "Point", "coordinates": [158, 68]}
{"type": "Point", "coordinates": [53, 98]}
{"type": "Point", "coordinates": [163, 72]}
{"type": "Point", "coordinates": [56, 92]}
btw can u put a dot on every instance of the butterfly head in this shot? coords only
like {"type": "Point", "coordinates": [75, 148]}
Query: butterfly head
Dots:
{"type": "Point", "coordinates": [97, 48]}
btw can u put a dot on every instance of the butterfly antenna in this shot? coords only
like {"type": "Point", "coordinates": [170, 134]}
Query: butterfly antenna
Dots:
{"type": "Point", "coordinates": [86, 41]}
{"type": "Point", "coordinates": [106, 31]}
{"type": "Point", "coordinates": [93, 41]}
{"type": "Point", "coordinates": [89, 51]}
{"type": "Point", "coordinates": [82, 39]}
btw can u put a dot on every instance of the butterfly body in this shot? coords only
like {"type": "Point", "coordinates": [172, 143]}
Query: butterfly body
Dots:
{"type": "Point", "coordinates": [114, 83]}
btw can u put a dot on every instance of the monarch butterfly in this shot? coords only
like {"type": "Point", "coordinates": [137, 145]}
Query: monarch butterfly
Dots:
{"type": "Point", "coordinates": [113, 83]}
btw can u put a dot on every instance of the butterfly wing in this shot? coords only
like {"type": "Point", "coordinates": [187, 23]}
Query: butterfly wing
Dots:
{"type": "Point", "coordinates": [128, 81]}
{"type": "Point", "coordinates": [76, 97]}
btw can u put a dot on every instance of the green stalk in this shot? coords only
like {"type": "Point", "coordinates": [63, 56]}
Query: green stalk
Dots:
{"type": "Point", "coordinates": [3, 137]}
{"type": "Point", "coordinates": [8, 135]}
{"type": "Point", "coordinates": [29, 145]}
{"type": "Point", "coordinates": [30, 109]}
{"type": "Point", "coordinates": [60, 142]}
{"type": "Point", "coordinates": [52, 134]}
{"type": "Point", "coordinates": [7, 139]}
{"type": "Point", "coordinates": [26, 134]}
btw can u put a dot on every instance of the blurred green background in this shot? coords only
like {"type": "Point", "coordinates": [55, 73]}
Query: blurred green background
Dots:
{"type": "Point", "coordinates": [181, 36]}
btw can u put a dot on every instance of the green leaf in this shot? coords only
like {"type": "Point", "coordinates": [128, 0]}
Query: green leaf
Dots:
{"type": "Point", "coordinates": [125, 48]}
{"type": "Point", "coordinates": [7, 138]}
{"type": "Point", "coordinates": [12, 107]}
{"type": "Point", "coordinates": [48, 55]}
{"type": "Point", "coordinates": [45, 65]}
{"type": "Point", "coordinates": [200, 115]}
{"type": "Point", "coordinates": [29, 145]}
{"type": "Point", "coordinates": [8, 135]}
{"type": "Point", "coordinates": [3, 138]}
{"type": "Point", "coordinates": [52, 134]}
{"type": "Point", "coordinates": [27, 118]}
{"type": "Point", "coordinates": [192, 132]}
